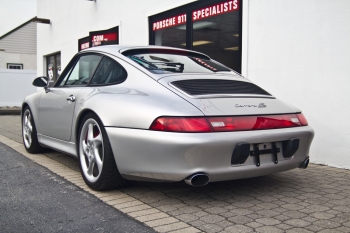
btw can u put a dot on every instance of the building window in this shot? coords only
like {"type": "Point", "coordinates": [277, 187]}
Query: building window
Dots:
{"type": "Point", "coordinates": [14, 66]}
{"type": "Point", "coordinates": [213, 27]}
{"type": "Point", "coordinates": [53, 66]}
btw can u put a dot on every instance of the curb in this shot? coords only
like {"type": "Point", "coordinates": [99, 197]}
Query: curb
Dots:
{"type": "Point", "coordinates": [10, 111]}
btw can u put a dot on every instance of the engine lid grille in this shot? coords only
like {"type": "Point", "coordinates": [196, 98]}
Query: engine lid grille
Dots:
{"type": "Point", "coordinates": [195, 87]}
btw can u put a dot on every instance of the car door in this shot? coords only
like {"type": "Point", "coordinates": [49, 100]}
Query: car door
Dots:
{"type": "Point", "coordinates": [56, 107]}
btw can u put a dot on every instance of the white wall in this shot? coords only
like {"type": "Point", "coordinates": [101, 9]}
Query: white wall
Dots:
{"type": "Point", "coordinates": [15, 85]}
{"type": "Point", "coordinates": [299, 51]}
{"type": "Point", "coordinates": [72, 20]}
{"type": "Point", "coordinates": [28, 60]}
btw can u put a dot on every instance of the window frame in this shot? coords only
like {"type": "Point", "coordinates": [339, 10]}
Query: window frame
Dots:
{"type": "Point", "coordinates": [14, 64]}
{"type": "Point", "coordinates": [188, 9]}
{"type": "Point", "coordinates": [69, 68]}
{"type": "Point", "coordinates": [109, 84]}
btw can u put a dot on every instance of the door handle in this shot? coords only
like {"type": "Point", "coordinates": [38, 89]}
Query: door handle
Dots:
{"type": "Point", "coordinates": [71, 98]}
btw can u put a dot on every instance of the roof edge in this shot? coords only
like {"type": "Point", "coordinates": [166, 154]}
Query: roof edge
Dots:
{"type": "Point", "coordinates": [15, 29]}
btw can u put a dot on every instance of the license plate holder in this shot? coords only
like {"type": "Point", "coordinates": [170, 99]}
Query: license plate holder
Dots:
{"type": "Point", "coordinates": [257, 151]}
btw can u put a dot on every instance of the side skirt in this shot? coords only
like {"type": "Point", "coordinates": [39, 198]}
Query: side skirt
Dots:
{"type": "Point", "coordinates": [57, 144]}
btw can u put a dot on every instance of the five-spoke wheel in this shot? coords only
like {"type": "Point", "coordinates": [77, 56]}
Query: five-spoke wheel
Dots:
{"type": "Point", "coordinates": [29, 135]}
{"type": "Point", "coordinates": [27, 128]}
{"type": "Point", "coordinates": [91, 150]}
{"type": "Point", "coordinates": [96, 158]}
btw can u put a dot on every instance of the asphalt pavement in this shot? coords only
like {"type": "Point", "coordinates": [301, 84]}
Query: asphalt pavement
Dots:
{"type": "Point", "coordinates": [33, 199]}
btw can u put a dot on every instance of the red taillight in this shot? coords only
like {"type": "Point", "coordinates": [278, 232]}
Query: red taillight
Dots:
{"type": "Point", "coordinates": [302, 119]}
{"type": "Point", "coordinates": [254, 122]}
{"type": "Point", "coordinates": [225, 124]}
{"type": "Point", "coordinates": [181, 124]}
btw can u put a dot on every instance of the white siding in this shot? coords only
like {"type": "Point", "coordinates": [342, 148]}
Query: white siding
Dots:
{"type": "Point", "coordinates": [22, 41]}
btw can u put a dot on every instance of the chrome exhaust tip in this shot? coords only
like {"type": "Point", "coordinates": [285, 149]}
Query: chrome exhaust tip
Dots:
{"type": "Point", "coordinates": [197, 179]}
{"type": "Point", "coordinates": [305, 163]}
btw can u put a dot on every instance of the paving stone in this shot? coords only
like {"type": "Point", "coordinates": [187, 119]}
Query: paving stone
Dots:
{"type": "Point", "coordinates": [168, 208]}
{"type": "Point", "coordinates": [224, 224]}
{"type": "Point", "coordinates": [171, 227]}
{"type": "Point", "coordinates": [200, 213]}
{"type": "Point", "coordinates": [343, 229]}
{"type": "Point", "coordinates": [283, 226]}
{"type": "Point", "coordinates": [329, 231]}
{"type": "Point", "coordinates": [298, 230]}
{"type": "Point", "coordinates": [342, 209]}
{"type": "Point", "coordinates": [267, 213]}
{"type": "Point", "coordinates": [143, 212]}
{"type": "Point", "coordinates": [314, 208]}
{"type": "Point", "coordinates": [243, 204]}
{"type": "Point", "coordinates": [334, 212]}
{"type": "Point", "coordinates": [187, 217]}
{"type": "Point", "coordinates": [216, 210]}
{"type": "Point", "coordinates": [280, 210]}
{"type": "Point", "coordinates": [268, 229]}
{"type": "Point", "coordinates": [186, 230]}
{"type": "Point", "coordinates": [327, 224]}
{"type": "Point", "coordinates": [240, 211]}
{"type": "Point", "coordinates": [212, 218]}
{"type": "Point", "coordinates": [293, 206]}
{"type": "Point", "coordinates": [294, 214]}
{"type": "Point", "coordinates": [322, 215]}
{"type": "Point", "coordinates": [239, 228]}
{"type": "Point", "coordinates": [268, 221]}
{"type": "Point", "coordinates": [313, 228]}
{"type": "Point", "coordinates": [210, 228]}
{"type": "Point", "coordinates": [310, 219]}
{"type": "Point", "coordinates": [162, 221]}
{"type": "Point", "coordinates": [266, 205]}
{"type": "Point", "coordinates": [297, 222]}
{"type": "Point", "coordinates": [151, 217]}
{"type": "Point", "coordinates": [281, 217]}
{"type": "Point", "coordinates": [240, 219]}
{"type": "Point", "coordinates": [135, 208]}
{"type": "Point", "coordinates": [254, 225]}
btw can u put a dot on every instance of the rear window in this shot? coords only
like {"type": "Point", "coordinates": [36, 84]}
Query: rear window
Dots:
{"type": "Point", "coordinates": [161, 61]}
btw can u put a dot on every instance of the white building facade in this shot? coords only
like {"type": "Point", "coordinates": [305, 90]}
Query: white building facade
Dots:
{"type": "Point", "coordinates": [298, 50]}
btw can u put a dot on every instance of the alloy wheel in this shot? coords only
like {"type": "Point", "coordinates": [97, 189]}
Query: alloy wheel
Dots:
{"type": "Point", "coordinates": [91, 150]}
{"type": "Point", "coordinates": [27, 128]}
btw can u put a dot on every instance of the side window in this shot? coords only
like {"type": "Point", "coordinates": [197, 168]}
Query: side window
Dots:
{"type": "Point", "coordinates": [82, 71]}
{"type": "Point", "coordinates": [108, 72]}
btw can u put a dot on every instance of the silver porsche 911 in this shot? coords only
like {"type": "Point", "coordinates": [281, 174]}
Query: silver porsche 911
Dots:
{"type": "Point", "coordinates": [162, 114]}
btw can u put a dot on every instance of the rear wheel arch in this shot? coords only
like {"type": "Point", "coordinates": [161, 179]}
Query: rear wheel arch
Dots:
{"type": "Point", "coordinates": [79, 121]}
{"type": "Point", "coordinates": [108, 176]}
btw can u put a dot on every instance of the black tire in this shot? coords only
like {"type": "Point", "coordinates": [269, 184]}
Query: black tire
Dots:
{"type": "Point", "coordinates": [30, 137]}
{"type": "Point", "coordinates": [107, 177]}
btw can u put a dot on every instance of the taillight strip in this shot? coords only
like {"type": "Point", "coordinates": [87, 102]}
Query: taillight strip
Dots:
{"type": "Point", "coordinates": [227, 124]}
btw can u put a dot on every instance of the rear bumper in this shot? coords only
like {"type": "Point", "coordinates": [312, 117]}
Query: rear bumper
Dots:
{"type": "Point", "coordinates": [166, 156]}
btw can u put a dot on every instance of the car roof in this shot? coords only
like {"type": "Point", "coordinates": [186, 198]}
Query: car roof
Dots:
{"type": "Point", "coordinates": [119, 49]}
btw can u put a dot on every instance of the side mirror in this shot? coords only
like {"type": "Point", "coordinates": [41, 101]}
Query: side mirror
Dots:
{"type": "Point", "coordinates": [40, 82]}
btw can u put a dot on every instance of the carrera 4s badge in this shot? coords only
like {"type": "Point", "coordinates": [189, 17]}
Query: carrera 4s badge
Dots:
{"type": "Point", "coordinates": [261, 105]}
